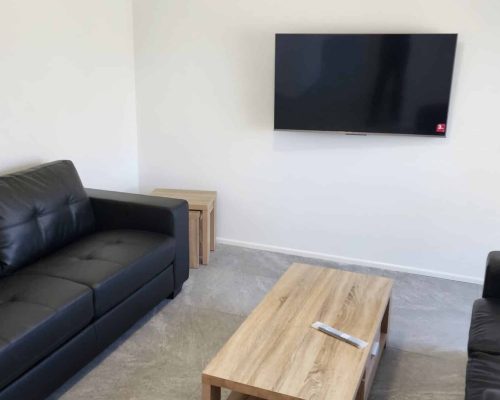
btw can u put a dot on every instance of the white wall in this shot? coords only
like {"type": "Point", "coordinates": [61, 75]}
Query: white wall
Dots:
{"type": "Point", "coordinates": [204, 77]}
{"type": "Point", "coordinates": [67, 88]}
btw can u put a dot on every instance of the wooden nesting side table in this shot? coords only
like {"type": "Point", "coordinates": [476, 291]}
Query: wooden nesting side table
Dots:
{"type": "Point", "coordinates": [201, 209]}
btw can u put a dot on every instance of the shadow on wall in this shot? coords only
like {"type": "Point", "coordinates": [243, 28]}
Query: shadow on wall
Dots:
{"type": "Point", "coordinates": [287, 141]}
{"type": "Point", "coordinates": [21, 166]}
{"type": "Point", "coordinates": [252, 72]}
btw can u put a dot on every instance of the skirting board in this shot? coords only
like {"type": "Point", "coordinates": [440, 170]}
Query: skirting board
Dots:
{"type": "Point", "coordinates": [349, 260]}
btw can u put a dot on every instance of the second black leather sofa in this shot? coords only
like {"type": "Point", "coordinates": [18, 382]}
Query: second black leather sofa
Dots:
{"type": "Point", "coordinates": [483, 368]}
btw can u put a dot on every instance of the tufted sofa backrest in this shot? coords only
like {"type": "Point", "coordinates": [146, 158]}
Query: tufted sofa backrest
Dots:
{"type": "Point", "coordinates": [41, 209]}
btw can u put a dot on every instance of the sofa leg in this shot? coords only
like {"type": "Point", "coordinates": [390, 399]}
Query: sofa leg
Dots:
{"type": "Point", "coordinates": [174, 294]}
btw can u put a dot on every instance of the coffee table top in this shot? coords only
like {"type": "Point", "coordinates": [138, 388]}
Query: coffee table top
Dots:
{"type": "Point", "coordinates": [276, 354]}
{"type": "Point", "coordinates": [202, 200]}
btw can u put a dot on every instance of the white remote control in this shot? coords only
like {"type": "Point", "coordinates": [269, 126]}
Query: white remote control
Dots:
{"type": "Point", "coordinates": [325, 328]}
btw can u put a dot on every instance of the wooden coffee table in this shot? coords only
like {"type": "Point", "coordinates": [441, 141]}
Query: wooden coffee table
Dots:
{"type": "Point", "coordinates": [276, 354]}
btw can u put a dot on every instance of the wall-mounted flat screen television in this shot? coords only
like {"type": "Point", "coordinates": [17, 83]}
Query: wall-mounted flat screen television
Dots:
{"type": "Point", "coordinates": [376, 83]}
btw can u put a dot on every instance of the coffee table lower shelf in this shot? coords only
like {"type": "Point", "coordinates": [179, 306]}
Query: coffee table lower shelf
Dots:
{"type": "Point", "coordinates": [239, 396]}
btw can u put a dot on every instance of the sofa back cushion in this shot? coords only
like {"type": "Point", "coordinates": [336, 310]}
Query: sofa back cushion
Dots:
{"type": "Point", "coordinates": [41, 209]}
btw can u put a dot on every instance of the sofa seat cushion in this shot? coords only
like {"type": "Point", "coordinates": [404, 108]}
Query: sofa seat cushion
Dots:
{"type": "Point", "coordinates": [37, 315]}
{"type": "Point", "coordinates": [483, 372]}
{"type": "Point", "coordinates": [485, 326]}
{"type": "Point", "coordinates": [113, 263]}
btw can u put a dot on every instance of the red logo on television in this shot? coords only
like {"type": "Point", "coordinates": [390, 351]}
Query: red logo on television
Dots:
{"type": "Point", "coordinates": [440, 128]}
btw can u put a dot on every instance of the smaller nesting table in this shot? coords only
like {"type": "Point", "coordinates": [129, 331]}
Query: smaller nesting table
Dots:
{"type": "Point", "coordinates": [201, 221]}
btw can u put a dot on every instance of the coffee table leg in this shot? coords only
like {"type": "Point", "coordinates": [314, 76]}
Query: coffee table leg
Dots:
{"type": "Point", "coordinates": [210, 392]}
{"type": "Point", "coordinates": [385, 321]}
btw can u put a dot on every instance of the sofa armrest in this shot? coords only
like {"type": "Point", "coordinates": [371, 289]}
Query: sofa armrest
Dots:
{"type": "Point", "coordinates": [116, 210]}
{"type": "Point", "coordinates": [492, 278]}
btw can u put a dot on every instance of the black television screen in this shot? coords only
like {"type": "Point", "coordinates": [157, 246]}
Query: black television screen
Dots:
{"type": "Point", "coordinates": [381, 83]}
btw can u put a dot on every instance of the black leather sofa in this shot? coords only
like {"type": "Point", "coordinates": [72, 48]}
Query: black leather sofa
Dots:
{"type": "Point", "coordinates": [77, 268]}
{"type": "Point", "coordinates": [483, 368]}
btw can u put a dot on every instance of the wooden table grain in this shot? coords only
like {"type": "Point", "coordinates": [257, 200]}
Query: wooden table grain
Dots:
{"type": "Point", "coordinates": [276, 354]}
{"type": "Point", "coordinates": [203, 201]}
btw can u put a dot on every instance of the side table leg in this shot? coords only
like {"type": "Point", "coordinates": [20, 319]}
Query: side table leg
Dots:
{"type": "Point", "coordinates": [212, 229]}
{"type": "Point", "coordinates": [210, 392]}
{"type": "Point", "coordinates": [194, 239]}
{"type": "Point", "coordinates": [205, 239]}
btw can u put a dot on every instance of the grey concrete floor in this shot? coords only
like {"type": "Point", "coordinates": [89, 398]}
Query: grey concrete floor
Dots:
{"type": "Point", "coordinates": [162, 356]}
